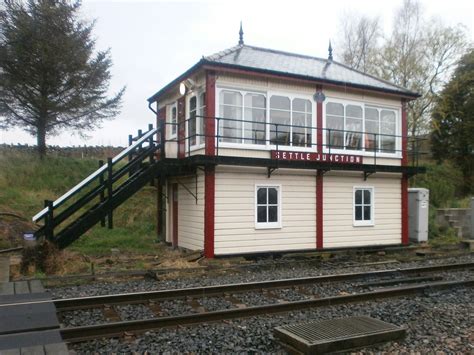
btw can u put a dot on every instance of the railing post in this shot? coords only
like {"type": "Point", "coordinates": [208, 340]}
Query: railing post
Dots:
{"type": "Point", "coordinates": [152, 153]}
{"type": "Point", "coordinates": [375, 150]}
{"type": "Point", "coordinates": [102, 193]}
{"type": "Point", "coordinates": [49, 220]}
{"type": "Point", "coordinates": [140, 134]}
{"type": "Point", "coordinates": [163, 139]}
{"type": "Point", "coordinates": [110, 218]}
{"type": "Point", "coordinates": [276, 136]}
{"type": "Point", "coordinates": [218, 135]}
{"type": "Point", "coordinates": [329, 140]}
{"type": "Point", "coordinates": [130, 155]}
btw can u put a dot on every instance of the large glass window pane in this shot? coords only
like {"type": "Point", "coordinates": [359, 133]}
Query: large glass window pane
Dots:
{"type": "Point", "coordinates": [358, 197]}
{"type": "Point", "coordinates": [371, 128]}
{"type": "Point", "coordinates": [301, 123]}
{"type": "Point", "coordinates": [388, 130]}
{"type": "Point", "coordinates": [201, 119]}
{"type": "Point", "coordinates": [358, 213]}
{"type": "Point", "coordinates": [280, 120]}
{"type": "Point", "coordinates": [262, 214]}
{"type": "Point", "coordinates": [272, 214]}
{"type": "Point", "coordinates": [192, 120]}
{"type": "Point", "coordinates": [272, 196]}
{"type": "Point", "coordinates": [230, 125]}
{"type": "Point", "coordinates": [334, 125]}
{"type": "Point", "coordinates": [366, 197]}
{"type": "Point", "coordinates": [367, 213]}
{"type": "Point", "coordinates": [254, 116]}
{"type": "Point", "coordinates": [353, 127]}
{"type": "Point", "coordinates": [262, 196]}
{"type": "Point", "coordinates": [174, 120]}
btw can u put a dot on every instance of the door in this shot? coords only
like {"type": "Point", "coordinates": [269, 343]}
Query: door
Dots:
{"type": "Point", "coordinates": [174, 207]}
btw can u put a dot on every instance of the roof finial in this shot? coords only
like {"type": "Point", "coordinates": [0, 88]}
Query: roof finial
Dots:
{"type": "Point", "coordinates": [241, 35]}
{"type": "Point", "coordinates": [330, 51]}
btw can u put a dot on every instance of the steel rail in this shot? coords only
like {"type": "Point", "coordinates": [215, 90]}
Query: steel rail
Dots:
{"type": "Point", "coordinates": [95, 301]}
{"type": "Point", "coordinates": [82, 333]}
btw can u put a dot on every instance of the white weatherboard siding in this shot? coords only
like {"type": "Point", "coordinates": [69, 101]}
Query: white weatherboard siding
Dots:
{"type": "Point", "coordinates": [338, 229]}
{"type": "Point", "coordinates": [235, 211]}
{"type": "Point", "coordinates": [190, 214]}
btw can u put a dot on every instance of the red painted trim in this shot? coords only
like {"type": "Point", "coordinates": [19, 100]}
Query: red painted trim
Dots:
{"type": "Point", "coordinates": [319, 122]}
{"type": "Point", "coordinates": [404, 132]}
{"type": "Point", "coordinates": [175, 214]}
{"type": "Point", "coordinates": [319, 210]}
{"type": "Point", "coordinates": [404, 191]}
{"type": "Point", "coordinates": [319, 176]}
{"type": "Point", "coordinates": [209, 199]}
{"type": "Point", "coordinates": [181, 127]}
{"type": "Point", "coordinates": [210, 122]}
{"type": "Point", "coordinates": [255, 74]}
{"type": "Point", "coordinates": [404, 183]}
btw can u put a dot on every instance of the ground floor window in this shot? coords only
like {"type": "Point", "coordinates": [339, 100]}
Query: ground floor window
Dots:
{"type": "Point", "coordinates": [267, 206]}
{"type": "Point", "coordinates": [363, 206]}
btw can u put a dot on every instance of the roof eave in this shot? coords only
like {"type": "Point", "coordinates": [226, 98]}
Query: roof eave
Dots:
{"type": "Point", "coordinates": [404, 94]}
{"type": "Point", "coordinates": [180, 78]}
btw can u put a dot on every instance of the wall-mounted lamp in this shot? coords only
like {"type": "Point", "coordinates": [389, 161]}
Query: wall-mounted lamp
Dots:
{"type": "Point", "coordinates": [319, 97]}
{"type": "Point", "coordinates": [186, 85]}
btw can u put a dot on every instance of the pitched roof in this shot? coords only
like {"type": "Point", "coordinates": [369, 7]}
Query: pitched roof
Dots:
{"type": "Point", "coordinates": [294, 65]}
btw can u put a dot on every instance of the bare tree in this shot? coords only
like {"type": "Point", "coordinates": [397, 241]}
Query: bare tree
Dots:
{"type": "Point", "coordinates": [418, 54]}
{"type": "Point", "coordinates": [359, 39]}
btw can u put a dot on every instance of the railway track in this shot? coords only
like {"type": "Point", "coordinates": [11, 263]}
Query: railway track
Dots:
{"type": "Point", "coordinates": [420, 279]}
{"type": "Point", "coordinates": [381, 284]}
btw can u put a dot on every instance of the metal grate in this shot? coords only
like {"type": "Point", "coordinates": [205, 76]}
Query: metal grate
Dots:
{"type": "Point", "coordinates": [337, 334]}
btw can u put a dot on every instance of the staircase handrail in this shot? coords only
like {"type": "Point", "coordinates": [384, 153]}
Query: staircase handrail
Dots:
{"type": "Point", "coordinates": [96, 174]}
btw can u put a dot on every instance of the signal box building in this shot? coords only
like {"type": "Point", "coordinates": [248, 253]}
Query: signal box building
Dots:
{"type": "Point", "coordinates": [284, 152]}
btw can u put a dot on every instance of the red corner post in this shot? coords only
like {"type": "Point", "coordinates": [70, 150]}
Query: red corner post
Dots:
{"type": "Point", "coordinates": [319, 176]}
{"type": "Point", "coordinates": [210, 176]}
{"type": "Point", "coordinates": [404, 184]}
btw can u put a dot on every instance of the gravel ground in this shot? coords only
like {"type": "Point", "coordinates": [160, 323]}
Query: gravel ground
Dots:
{"type": "Point", "coordinates": [238, 276]}
{"type": "Point", "coordinates": [440, 321]}
{"type": "Point", "coordinates": [134, 312]}
{"type": "Point", "coordinates": [82, 317]}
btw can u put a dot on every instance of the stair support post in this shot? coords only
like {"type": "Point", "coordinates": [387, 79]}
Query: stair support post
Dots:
{"type": "Point", "coordinates": [49, 220]}
{"type": "Point", "coordinates": [102, 193]}
{"type": "Point", "coordinates": [110, 218]}
{"type": "Point", "coordinates": [152, 153]}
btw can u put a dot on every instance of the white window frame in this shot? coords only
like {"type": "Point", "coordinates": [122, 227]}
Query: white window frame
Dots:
{"type": "Point", "coordinates": [268, 225]}
{"type": "Point", "coordinates": [175, 134]}
{"type": "Point", "coordinates": [364, 105]}
{"type": "Point", "coordinates": [267, 95]}
{"type": "Point", "coordinates": [200, 141]}
{"type": "Point", "coordinates": [364, 223]}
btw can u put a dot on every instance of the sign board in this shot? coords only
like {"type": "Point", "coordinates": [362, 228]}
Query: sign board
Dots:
{"type": "Point", "coordinates": [316, 157]}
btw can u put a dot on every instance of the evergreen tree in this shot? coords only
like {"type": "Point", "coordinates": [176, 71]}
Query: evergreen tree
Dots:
{"type": "Point", "coordinates": [453, 121]}
{"type": "Point", "coordinates": [51, 78]}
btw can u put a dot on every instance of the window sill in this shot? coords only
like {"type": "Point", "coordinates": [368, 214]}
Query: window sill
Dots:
{"type": "Point", "coordinates": [363, 224]}
{"type": "Point", "coordinates": [268, 226]}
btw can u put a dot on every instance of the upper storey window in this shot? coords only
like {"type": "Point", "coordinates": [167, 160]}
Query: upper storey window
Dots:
{"type": "Point", "coordinates": [245, 118]}
{"type": "Point", "coordinates": [242, 117]}
{"type": "Point", "coordinates": [360, 127]}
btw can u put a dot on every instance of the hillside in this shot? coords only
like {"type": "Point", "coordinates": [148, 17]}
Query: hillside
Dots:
{"type": "Point", "coordinates": [26, 181]}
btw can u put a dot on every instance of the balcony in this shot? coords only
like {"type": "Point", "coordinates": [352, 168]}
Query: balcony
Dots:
{"type": "Point", "coordinates": [278, 145]}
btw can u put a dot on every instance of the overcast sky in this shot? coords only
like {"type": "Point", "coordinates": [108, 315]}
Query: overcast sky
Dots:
{"type": "Point", "coordinates": [152, 42]}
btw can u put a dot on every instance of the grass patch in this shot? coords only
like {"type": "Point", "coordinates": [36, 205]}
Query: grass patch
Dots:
{"type": "Point", "coordinates": [26, 181]}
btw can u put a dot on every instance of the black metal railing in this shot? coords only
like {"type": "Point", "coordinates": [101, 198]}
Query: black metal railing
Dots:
{"type": "Point", "coordinates": [98, 189]}
{"type": "Point", "coordinates": [235, 133]}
